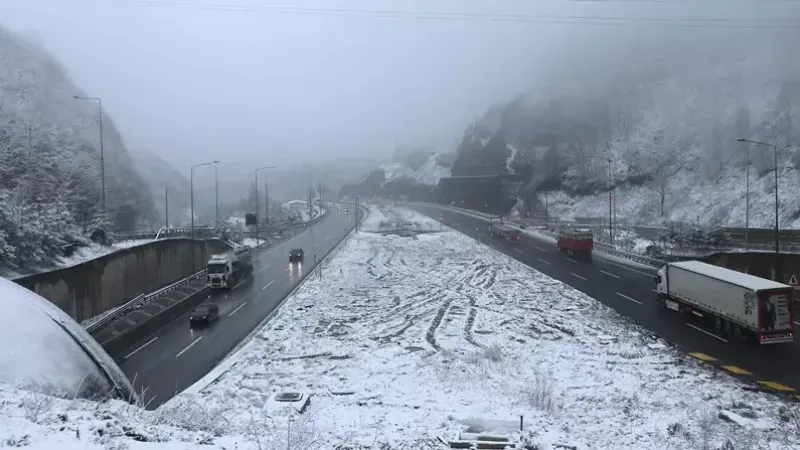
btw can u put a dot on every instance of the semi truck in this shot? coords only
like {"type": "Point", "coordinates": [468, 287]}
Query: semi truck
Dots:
{"type": "Point", "coordinates": [226, 270]}
{"type": "Point", "coordinates": [735, 304]}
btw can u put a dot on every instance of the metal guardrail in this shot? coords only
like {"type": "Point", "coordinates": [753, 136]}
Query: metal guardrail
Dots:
{"type": "Point", "coordinates": [143, 299]}
{"type": "Point", "coordinates": [140, 301]}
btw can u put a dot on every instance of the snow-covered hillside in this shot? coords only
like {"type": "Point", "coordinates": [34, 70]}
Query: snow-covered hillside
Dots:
{"type": "Point", "coordinates": [50, 181]}
{"type": "Point", "coordinates": [664, 136]}
{"type": "Point", "coordinates": [435, 167]}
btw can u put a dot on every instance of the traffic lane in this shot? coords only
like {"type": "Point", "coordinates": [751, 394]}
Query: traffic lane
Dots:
{"type": "Point", "coordinates": [268, 267]}
{"type": "Point", "coordinates": [180, 366]}
{"type": "Point", "coordinates": [779, 363]}
{"type": "Point", "coordinates": [184, 366]}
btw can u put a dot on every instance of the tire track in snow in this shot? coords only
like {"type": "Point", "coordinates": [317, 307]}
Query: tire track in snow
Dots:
{"type": "Point", "coordinates": [431, 335]}
{"type": "Point", "coordinates": [473, 312]}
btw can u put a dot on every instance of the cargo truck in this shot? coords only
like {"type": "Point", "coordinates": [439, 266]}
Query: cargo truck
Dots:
{"type": "Point", "coordinates": [735, 304]}
{"type": "Point", "coordinates": [503, 232]}
{"type": "Point", "coordinates": [577, 243]}
{"type": "Point", "coordinates": [224, 271]}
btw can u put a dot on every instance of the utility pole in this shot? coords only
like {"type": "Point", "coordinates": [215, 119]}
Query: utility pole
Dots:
{"type": "Point", "coordinates": [102, 151]}
{"type": "Point", "coordinates": [255, 186]}
{"type": "Point", "coordinates": [355, 213]}
{"type": "Point", "coordinates": [191, 188]}
{"type": "Point", "coordinates": [266, 201]}
{"type": "Point", "coordinates": [747, 198]}
{"type": "Point", "coordinates": [777, 265]}
{"type": "Point", "coordinates": [166, 207]}
{"type": "Point", "coordinates": [216, 196]}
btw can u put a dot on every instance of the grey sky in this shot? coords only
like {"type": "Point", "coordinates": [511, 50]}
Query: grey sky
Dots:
{"type": "Point", "coordinates": [254, 87]}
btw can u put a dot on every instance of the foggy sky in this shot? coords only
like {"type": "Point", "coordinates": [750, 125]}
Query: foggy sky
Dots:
{"type": "Point", "coordinates": [252, 88]}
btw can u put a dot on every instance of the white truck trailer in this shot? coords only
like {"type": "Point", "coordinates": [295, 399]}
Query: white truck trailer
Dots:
{"type": "Point", "coordinates": [735, 304]}
{"type": "Point", "coordinates": [224, 271]}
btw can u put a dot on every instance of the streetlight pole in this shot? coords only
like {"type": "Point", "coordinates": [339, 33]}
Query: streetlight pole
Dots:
{"type": "Point", "coordinates": [191, 188]}
{"type": "Point", "coordinates": [255, 186]}
{"type": "Point", "coordinates": [166, 207]}
{"type": "Point", "coordinates": [102, 151]}
{"type": "Point", "coordinates": [777, 229]}
{"type": "Point", "coordinates": [216, 196]}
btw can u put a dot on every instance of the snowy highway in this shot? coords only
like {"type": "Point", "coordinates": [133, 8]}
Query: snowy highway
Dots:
{"type": "Point", "coordinates": [629, 289]}
{"type": "Point", "coordinates": [177, 356]}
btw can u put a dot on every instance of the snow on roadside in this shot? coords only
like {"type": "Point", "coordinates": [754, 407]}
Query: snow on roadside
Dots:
{"type": "Point", "coordinates": [409, 338]}
{"type": "Point", "coordinates": [132, 243]}
{"type": "Point", "coordinates": [406, 339]}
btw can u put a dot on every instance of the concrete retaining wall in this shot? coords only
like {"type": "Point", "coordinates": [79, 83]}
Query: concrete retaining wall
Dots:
{"type": "Point", "coordinates": [89, 289]}
{"type": "Point", "coordinates": [759, 264]}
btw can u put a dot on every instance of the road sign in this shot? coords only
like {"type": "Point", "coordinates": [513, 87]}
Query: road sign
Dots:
{"type": "Point", "coordinates": [793, 280]}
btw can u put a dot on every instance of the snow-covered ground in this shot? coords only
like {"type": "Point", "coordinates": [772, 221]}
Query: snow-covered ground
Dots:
{"type": "Point", "coordinates": [404, 339]}
{"type": "Point", "coordinates": [385, 218]}
{"type": "Point", "coordinates": [409, 338]}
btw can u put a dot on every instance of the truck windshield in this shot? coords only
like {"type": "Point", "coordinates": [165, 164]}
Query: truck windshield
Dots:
{"type": "Point", "coordinates": [216, 268]}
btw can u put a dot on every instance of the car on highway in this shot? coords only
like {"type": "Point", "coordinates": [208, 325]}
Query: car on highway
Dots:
{"type": "Point", "coordinates": [204, 315]}
{"type": "Point", "coordinates": [296, 255]}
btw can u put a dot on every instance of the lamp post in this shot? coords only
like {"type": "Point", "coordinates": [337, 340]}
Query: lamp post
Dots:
{"type": "Point", "coordinates": [777, 234]}
{"type": "Point", "coordinates": [265, 193]}
{"type": "Point", "coordinates": [102, 152]}
{"type": "Point", "coordinates": [216, 196]}
{"type": "Point", "coordinates": [166, 202]}
{"type": "Point", "coordinates": [191, 188]}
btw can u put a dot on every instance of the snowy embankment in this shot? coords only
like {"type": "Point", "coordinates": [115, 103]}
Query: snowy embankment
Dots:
{"type": "Point", "coordinates": [408, 338]}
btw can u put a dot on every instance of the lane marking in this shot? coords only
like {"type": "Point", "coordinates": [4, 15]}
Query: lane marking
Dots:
{"type": "Point", "coordinates": [518, 250]}
{"type": "Point", "coordinates": [703, 356]}
{"type": "Point", "coordinates": [268, 284]}
{"type": "Point", "coordinates": [540, 259]}
{"type": "Point", "coordinates": [571, 260]}
{"type": "Point", "coordinates": [262, 269]}
{"type": "Point", "coordinates": [237, 309]}
{"type": "Point", "coordinates": [610, 274]}
{"type": "Point", "coordinates": [708, 333]}
{"type": "Point", "coordinates": [188, 347]}
{"type": "Point", "coordinates": [238, 284]}
{"type": "Point", "coordinates": [777, 386]}
{"type": "Point", "coordinates": [140, 347]}
{"type": "Point", "coordinates": [654, 291]}
{"type": "Point", "coordinates": [628, 298]}
{"type": "Point", "coordinates": [632, 270]}
{"type": "Point", "coordinates": [576, 275]}
{"type": "Point", "coordinates": [737, 370]}
{"type": "Point", "coordinates": [539, 248]}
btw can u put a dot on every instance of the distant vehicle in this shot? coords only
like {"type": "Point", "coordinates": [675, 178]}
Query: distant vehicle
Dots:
{"type": "Point", "coordinates": [576, 242]}
{"type": "Point", "coordinates": [204, 315]}
{"type": "Point", "coordinates": [225, 270]}
{"type": "Point", "coordinates": [506, 233]}
{"type": "Point", "coordinates": [296, 255]}
{"type": "Point", "coordinates": [735, 304]}
{"type": "Point", "coordinates": [347, 210]}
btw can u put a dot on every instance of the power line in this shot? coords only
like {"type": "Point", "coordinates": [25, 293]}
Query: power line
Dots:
{"type": "Point", "coordinates": [477, 17]}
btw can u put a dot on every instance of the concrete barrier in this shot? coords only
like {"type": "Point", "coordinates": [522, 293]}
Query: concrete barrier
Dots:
{"type": "Point", "coordinates": [86, 290]}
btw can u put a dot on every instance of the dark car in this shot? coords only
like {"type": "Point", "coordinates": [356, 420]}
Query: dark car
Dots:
{"type": "Point", "coordinates": [296, 255]}
{"type": "Point", "coordinates": [204, 315]}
